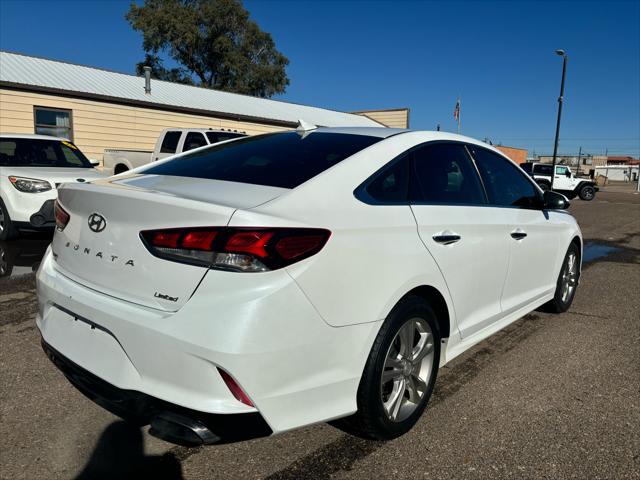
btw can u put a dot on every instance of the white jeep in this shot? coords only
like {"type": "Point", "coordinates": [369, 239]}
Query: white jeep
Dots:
{"type": "Point", "coordinates": [564, 181]}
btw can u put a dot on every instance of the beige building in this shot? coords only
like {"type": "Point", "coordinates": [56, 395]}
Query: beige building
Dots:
{"type": "Point", "coordinates": [99, 109]}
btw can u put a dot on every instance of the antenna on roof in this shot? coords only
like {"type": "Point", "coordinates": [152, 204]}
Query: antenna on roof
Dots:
{"type": "Point", "coordinates": [305, 126]}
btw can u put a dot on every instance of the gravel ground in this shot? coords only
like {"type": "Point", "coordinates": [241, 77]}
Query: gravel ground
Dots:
{"type": "Point", "coordinates": [551, 396]}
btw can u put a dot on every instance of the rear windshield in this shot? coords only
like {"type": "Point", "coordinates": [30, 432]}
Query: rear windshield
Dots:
{"type": "Point", "coordinates": [215, 137]}
{"type": "Point", "coordinates": [29, 152]}
{"type": "Point", "coordinates": [277, 160]}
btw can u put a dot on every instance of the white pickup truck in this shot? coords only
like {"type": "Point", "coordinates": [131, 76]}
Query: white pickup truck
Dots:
{"type": "Point", "coordinates": [170, 142]}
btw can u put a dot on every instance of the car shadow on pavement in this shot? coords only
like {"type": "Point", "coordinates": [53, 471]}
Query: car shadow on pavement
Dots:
{"type": "Point", "coordinates": [119, 453]}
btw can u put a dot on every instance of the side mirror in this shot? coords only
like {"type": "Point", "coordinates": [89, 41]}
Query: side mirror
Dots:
{"type": "Point", "coordinates": [555, 201]}
{"type": "Point", "coordinates": [94, 163]}
{"type": "Point", "coordinates": [567, 173]}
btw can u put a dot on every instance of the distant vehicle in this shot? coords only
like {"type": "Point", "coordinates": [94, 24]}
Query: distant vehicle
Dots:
{"type": "Point", "coordinates": [564, 182]}
{"type": "Point", "coordinates": [280, 280]}
{"type": "Point", "coordinates": [170, 142]}
{"type": "Point", "coordinates": [31, 169]}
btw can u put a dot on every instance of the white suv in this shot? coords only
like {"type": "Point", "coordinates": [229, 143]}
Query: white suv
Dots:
{"type": "Point", "coordinates": [31, 169]}
{"type": "Point", "coordinates": [564, 181]}
{"type": "Point", "coordinates": [275, 281]}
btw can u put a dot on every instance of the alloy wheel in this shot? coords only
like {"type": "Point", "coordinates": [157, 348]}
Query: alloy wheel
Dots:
{"type": "Point", "coordinates": [2, 220]}
{"type": "Point", "coordinates": [407, 369]}
{"type": "Point", "coordinates": [569, 276]}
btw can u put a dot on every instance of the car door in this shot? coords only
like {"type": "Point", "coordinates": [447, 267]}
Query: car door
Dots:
{"type": "Point", "coordinates": [468, 241]}
{"type": "Point", "coordinates": [562, 179]}
{"type": "Point", "coordinates": [532, 234]}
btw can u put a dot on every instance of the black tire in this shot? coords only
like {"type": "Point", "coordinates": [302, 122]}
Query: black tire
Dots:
{"type": "Point", "coordinates": [544, 186]}
{"type": "Point", "coordinates": [6, 267]}
{"type": "Point", "coordinates": [560, 304]}
{"type": "Point", "coordinates": [8, 231]}
{"type": "Point", "coordinates": [587, 193]}
{"type": "Point", "coordinates": [371, 420]}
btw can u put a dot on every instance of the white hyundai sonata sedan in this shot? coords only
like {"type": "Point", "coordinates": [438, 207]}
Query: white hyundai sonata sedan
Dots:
{"type": "Point", "coordinates": [275, 281]}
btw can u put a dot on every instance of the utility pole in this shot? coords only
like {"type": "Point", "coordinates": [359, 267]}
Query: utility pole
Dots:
{"type": "Point", "coordinates": [560, 101]}
{"type": "Point", "coordinates": [578, 166]}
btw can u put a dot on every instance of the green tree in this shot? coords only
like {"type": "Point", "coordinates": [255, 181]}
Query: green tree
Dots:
{"type": "Point", "coordinates": [215, 43]}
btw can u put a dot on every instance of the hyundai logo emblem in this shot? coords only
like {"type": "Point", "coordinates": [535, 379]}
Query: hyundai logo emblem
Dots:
{"type": "Point", "coordinates": [97, 222]}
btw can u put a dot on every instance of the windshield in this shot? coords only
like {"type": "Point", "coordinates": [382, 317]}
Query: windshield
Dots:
{"type": "Point", "coordinates": [30, 152]}
{"type": "Point", "coordinates": [277, 160]}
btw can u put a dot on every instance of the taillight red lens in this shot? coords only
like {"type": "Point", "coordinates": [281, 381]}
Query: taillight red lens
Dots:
{"type": "Point", "coordinates": [199, 240]}
{"type": "Point", "coordinates": [239, 249]}
{"type": "Point", "coordinates": [62, 217]}
{"type": "Point", "coordinates": [253, 243]}
{"type": "Point", "coordinates": [234, 388]}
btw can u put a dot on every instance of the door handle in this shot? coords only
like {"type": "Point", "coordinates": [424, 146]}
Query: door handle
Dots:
{"type": "Point", "coordinates": [446, 238]}
{"type": "Point", "coordinates": [518, 234]}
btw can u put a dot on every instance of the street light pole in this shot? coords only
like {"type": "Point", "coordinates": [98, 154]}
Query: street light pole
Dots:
{"type": "Point", "coordinates": [560, 101]}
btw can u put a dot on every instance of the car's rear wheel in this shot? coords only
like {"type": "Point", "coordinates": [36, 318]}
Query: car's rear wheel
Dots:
{"type": "Point", "coordinates": [567, 281]}
{"type": "Point", "coordinates": [400, 373]}
{"type": "Point", "coordinates": [7, 229]}
{"type": "Point", "coordinates": [587, 193]}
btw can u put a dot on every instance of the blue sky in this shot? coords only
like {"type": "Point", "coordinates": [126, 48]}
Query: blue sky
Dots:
{"type": "Point", "coordinates": [498, 56]}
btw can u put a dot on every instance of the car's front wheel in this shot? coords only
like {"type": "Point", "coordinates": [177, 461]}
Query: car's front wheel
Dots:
{"type": "Point", "coordinates": [567, 282]}
{"type": "Point", "coordinates": [7, 229]}
{"type": "Point", "coordinates": [400, 373]}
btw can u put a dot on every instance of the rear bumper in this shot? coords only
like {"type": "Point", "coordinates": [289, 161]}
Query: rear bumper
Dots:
{"type": "Point", "coordinates": [144, 409]}
{"type": "Point", "coordinates": [296, 369]}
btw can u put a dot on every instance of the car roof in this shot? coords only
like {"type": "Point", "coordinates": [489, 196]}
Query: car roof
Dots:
{"type": "Point", "coordinates": [32, 136]}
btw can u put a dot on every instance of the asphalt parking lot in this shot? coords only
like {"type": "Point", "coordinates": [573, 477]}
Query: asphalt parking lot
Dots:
{"type": "Point", "coordinates": [551, 396]}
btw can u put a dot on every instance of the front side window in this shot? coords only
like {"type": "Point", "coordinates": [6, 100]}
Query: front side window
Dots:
{"type": "Point", "coordinates": [194, 140]}
{"type": "Point", "coordinates": [443, 173]}
{"type": "Point", "coordinates": [170, 142]}
{"type": "Point", "coordinates": [26, 152]}
{"type": "Point", "coordinates": [561, 170]}
{"type": "Point", "coordinates": [505, 183]}
{"type": "Point", "coordinates": [278, 160]}
{"type": "Point", "coordinates": [53, 122]}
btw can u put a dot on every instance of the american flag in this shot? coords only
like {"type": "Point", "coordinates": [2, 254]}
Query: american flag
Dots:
{"type": "Point", "coordinates": [456, 111]}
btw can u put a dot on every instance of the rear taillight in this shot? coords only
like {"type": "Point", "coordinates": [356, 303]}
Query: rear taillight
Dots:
{"type": "Point", "coordinates": [62, 217]}
{"type": "Point", "coordinates": [238, 249]}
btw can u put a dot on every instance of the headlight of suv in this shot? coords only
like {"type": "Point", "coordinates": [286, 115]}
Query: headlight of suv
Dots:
{"type": "Point", "coordinates": [30, 185]}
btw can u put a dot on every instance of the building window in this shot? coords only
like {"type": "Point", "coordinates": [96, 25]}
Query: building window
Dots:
{"type": "Point", "coordinates": [54, 122]}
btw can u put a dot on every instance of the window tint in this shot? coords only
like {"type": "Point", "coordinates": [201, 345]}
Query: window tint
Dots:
{"type": "Point", "coordinates": [49, 121]}
{"type": "Point", "coordinates": [26, 152]}
{"type": "Point", "coordinates": [170, 142]}
{"type": "Point", "coordinates": [526, 167]}
{"type": "Point", "coordinates": [279, 160]}
{"type": "Point", "coordinates": [506, 185]}
{"type": "Point", "coordinates": [444, 173]}
{"type": "Point", "coordinates": [542, 169]}
{"type": "Point", "coordinates": [215, 137]}
{"type": "Point", "coordinates": [391, 184]}
{"type": "Point", "coordinates": [194, 140]}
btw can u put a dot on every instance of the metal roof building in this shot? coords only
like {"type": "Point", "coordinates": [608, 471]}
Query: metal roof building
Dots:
{"type": "Point", "coordinates": [101, 109]}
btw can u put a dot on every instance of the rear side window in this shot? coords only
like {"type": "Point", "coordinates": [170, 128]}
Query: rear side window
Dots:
{"type": "Point", "coordinates": [194, 140]}
{"type": "Point", "coordinates": [542, 169]}
{"type": "Point", "coordinates": [170, 142]}
{"type": "Point", "coordinates": [443, 173]}
{"type": "Point", "coordinates": [390, 185]}
{"type": "Point", "coordinates": [526, 167]}
{"type": "Point", "coordinates": [505, 183]}
{"type": "Point", "coordinates": [215, 137]}
{"type": "Point", "coordinates": [278, 160]}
